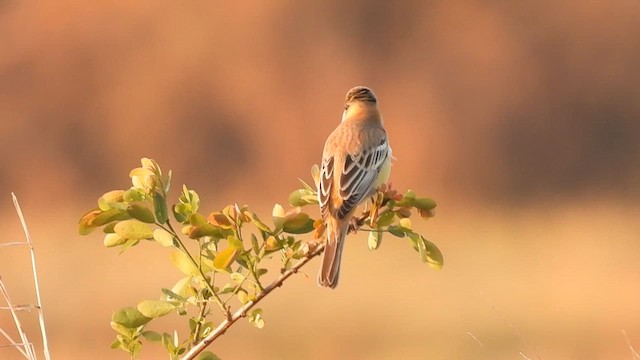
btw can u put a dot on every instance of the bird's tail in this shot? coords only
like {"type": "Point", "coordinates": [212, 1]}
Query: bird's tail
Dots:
{"type": "Point", "coordinates": [330, 270]}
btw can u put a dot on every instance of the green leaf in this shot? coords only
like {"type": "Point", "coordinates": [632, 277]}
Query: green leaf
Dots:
{"type": "Point", "coordinates": [425, 204]}
{"type": "Point", "coordinates": [160, 207]}
{"type": "Point", "coordinates": [434, 257]}
{"type": "Point", "coordinates": [386, 218]}
{"type": "Point", "coordinates": [259, 224]}
{"type": "Point", "coordinates": [122, 330]}
{"type": "Point", "coordinates": [198, 231]}
{"type": "Point", "coordinates": [254, 245]}
{"type": "Point", "coordinates": [374, 240]}
{"type": "Point", "coordinates": [155, 308]}
{"type": "Point", "coordinates": [163, 237]}
{"type": "Point", "coordinates": [108, 229]}
{"type": "Point", "coordinates": [235, 242]}
{"type": "Point", "coordinates": [105, 201]}
{"type": "Point", "coordinates": [129, 317]}
{"type": "Point", "coordinates": [207, 355]}
{"type": "Point", "coordinates": [133, 195]}
{"type": "Point", "coordinates": [396, 231]}
{"type": "Point", "coordinates": [300, 223]}
{"type": "Point", "coordinates": [152, 336]}
{"type": "Point", "coordinates": [303, 197]}
{"type": "Point", "coordinates": [261, 272]}
{"type": "Point", "coordinates": [142, 213]}
{"type": "Point", "coordinates": [173, 295]}
{"type": "Point", "coordinates": [227, 289]}
{"type": "Point", "coordinates": [225, 258]}
{"type": "Point", "coordinates": [133, 230]}
{"type": "Point", "coordinates": [407, 200]}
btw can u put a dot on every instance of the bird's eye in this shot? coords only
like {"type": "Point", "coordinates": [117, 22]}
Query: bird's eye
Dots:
{"type": "Point", "coordinates": [346, 106]}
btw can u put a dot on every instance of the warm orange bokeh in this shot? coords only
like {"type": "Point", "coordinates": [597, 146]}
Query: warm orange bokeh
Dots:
{"type": "Point", "coordinates": [519, 118]}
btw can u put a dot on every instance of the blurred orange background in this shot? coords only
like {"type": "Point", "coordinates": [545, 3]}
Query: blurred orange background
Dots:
{"type": "Point", "coordinates": [519, 118]}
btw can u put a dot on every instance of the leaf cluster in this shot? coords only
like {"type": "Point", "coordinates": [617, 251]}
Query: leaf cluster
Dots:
{"type": "Point", "coordinates": [223, 255]}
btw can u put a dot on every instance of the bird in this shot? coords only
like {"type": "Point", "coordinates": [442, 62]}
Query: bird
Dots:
{"type": "Point", "coordinates": [356, 160]}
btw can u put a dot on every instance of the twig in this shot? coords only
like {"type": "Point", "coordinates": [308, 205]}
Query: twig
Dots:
{"type": "Point", "coordinates": [482, 345]}
{"type": "Point", "coordinates": [513, 328]}
{"type": "Point", "coordinates": [224, 325]}
{"type": "Point", "coordinates": [18, 243]}
{"type": "Point", "coordinates": [23, 336]}
{"type": "Point", "coordinates": [43, 330]}
{"type": "Point", "coordinates": [15, 344]}
{"type": "Point", "coordinates": [634, 353]}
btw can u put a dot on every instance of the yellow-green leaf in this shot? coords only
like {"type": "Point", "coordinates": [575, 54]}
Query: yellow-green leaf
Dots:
{"type": "Point", "coordinates": [111, 240]}
{"type": "Point", "coordinates": [302, 197]}
{"type": "Point", "coordinates": [297, 223]}
{"type": "Point", "coordinates": [105, 200]}
{"type": "Point", "coordinates": [386, 218]}
{"type": "Point", "coordinates": [142, 213]}
{"type": "Point", "coordinates": [163, 237]}
{"type": "Point", "coordinates": [425, 203]}
{"type": "Point", "coordinates": [133, 230]}
{"type": "Point", "coordinates": [255, 317]}
{"type": "Point", "coordinates": [225, 258]}
{"type": "Point", "coordinates": [235, 242]}
{"type": "Point", "coordinates": [181, 261]}
{"type": "Point", "coordinates": [374, 240]}
{"type": "Point", "coordinates": [129, 317]}
{"type": "Point", "coordinates": [278, 215]}
{"type": "Point", "coordinates": [405, 223]}
{"type": "Point", "coordinates": [434, 256]}
{"type": "Point", "coordinates": [155, 308]}
{"type": "Point", "coordinates": [315, 174]}
{"type": "Point", "coordinates": [183, 287]}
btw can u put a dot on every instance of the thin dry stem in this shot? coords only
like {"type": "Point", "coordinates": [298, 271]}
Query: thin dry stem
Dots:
{"type": "Point", "coordinates": [482, 345]}
{"type": "Point", "coordinates": [224, 325]}
{"type": "Point", "coordinates": [23, 336]}
{"type": "Point", "coordinates": [634, 353]}
{"type": "Point", "coordinates": [43, 330]}
{"type": "Point", "coordinates": [14, 343]}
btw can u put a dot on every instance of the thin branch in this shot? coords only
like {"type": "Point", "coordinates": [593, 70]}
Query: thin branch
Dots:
{"type": "Point", "coordinates": [482, 345]}
{"type": "Point", "coordinates": [18, 243]}
{"type": "Point", "coordinates": [510, 324]}
{"type": "Point", "coordinates": [43, 330]}
{"type": "Point", "coordinates": [15, 344]}
{"type": "Point", "coordinates": [21, 307]}
{"type": "Point", "coordinates": [634, 353]}
{"type": "Point", "coordinates": [16, 320]}
{"type": "Point", "coordinates": [242, 312]}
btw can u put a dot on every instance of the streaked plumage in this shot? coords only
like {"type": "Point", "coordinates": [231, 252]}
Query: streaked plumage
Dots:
{"type": "Point", "coordinates": [355, 162]}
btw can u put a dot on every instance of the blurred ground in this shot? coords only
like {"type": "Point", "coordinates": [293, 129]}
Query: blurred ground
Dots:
{"type": "Point", "coordinates": [519, 118]}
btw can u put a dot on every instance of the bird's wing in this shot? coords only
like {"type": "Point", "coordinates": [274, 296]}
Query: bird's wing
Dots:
{"type": "Point", "coordinates": [325, 184]}
{"type": "Point", "coordinates": [359, 173]}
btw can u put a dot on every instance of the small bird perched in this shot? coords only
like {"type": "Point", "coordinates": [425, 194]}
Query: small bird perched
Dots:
{"type": "Point", "coordinates": [356, 160]}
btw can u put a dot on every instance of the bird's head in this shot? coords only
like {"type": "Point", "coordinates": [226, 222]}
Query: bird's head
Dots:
{"type": "Point", "coordinates": [359, 94]}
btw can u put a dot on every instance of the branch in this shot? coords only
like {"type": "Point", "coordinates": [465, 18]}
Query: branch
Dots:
{"type": "Point", "coordinates": [242, 312]}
